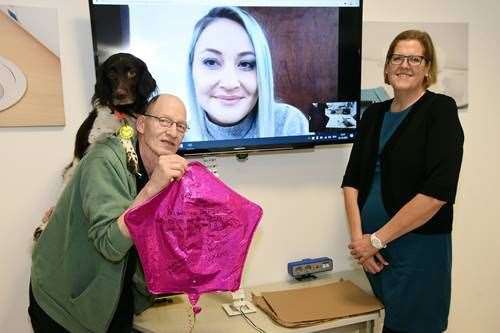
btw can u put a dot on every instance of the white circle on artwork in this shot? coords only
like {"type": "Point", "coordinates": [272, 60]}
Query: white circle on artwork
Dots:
{"type": "Point", "coordinates": [13, 83]}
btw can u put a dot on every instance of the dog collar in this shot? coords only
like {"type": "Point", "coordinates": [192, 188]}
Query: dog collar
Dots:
{"type": "Point", "coordinates": [118, 115]}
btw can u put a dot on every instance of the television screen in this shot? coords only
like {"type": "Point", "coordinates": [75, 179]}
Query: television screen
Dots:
{"type": "Point", "coordinates": [254, 75]}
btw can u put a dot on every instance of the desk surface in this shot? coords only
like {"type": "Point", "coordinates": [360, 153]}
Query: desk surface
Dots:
{"type": "Point", "coordinates": [176, 317]}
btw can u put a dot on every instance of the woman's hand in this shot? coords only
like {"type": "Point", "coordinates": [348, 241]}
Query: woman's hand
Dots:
{"type": "Point", "coordinates": [362, 249]}
{"type": "Point", "coordinates": [375, 264]}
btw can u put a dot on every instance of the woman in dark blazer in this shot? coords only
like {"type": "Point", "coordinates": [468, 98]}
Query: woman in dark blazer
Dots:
{"type": "Point", "coordinates": [399, 190]}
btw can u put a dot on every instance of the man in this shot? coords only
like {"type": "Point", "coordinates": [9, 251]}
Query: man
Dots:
{"type": "Point", "coordinates": [85, 276]}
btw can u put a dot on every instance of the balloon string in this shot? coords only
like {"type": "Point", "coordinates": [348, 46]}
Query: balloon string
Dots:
{"type": "Point", "coordinates": [191, 319]}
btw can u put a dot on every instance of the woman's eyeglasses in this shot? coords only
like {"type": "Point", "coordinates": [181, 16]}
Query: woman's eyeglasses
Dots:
{"type": "Point", "coordinates": [167, 123]}
{"type": "Point", "coordinates": [413, 60]}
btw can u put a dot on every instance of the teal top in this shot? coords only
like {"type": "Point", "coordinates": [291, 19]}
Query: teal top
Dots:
{"type": "Point", "coordinates": [374, 209]}
{"type": "Point", "coordinates": [79, 262]}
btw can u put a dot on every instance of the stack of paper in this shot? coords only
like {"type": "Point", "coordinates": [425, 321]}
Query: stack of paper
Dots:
{"type": "Point", "coordinates": [314, 305]}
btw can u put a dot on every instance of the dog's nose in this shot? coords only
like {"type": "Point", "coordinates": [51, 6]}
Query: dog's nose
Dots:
{"type": "Point", "coordinates": [121, 94]}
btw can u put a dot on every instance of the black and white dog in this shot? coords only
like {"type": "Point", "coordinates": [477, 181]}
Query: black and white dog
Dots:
{"type": "Point", "coordinates": [123, 87]}
{"type": "Point", "coordinates": [123, 84]}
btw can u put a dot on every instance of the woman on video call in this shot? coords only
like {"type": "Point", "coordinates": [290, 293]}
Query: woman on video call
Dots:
{"type": "Point", "coordinates": [399, 189]}
{"type": "Point", "coordinates": [230, 82]}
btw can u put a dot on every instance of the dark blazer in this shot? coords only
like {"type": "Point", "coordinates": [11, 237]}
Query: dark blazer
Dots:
{"type": "Point", "coordinates": [423, 155]}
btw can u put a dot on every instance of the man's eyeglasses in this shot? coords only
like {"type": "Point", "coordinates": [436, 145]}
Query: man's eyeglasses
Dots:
{"type": "Point", "coordinates": [167, 123]}
{"type": "Point", "coordinates": [413, 60]}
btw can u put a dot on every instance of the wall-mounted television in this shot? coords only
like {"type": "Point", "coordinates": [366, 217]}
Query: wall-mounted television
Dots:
{"type": "Point", "coordinates": [254, 75]}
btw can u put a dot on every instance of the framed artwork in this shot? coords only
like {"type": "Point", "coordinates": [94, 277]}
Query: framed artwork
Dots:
{"type": "Point", "coordinates": [30, 69]}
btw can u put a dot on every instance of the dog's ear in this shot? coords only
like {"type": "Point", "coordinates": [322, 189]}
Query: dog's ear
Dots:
{"type": "Point", "coordinates": [102, 89]}
{"type": "Point", "coordinates": [146, 84]}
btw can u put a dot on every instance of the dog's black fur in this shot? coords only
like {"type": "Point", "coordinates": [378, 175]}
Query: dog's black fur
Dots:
{"type": "Point", "coordinates": [124, 84]}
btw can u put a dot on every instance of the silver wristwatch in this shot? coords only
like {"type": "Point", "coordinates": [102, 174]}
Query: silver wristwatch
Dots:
{"type": "Point", "coordinates": [376, 242]}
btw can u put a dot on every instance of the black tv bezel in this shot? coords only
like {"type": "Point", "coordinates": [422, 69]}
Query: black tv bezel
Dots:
{"type": "Point", "coordinates": [352, 83]}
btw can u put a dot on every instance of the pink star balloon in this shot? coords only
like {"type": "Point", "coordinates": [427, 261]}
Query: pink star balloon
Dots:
{"type": "Point", "coordinates": [193, 236]}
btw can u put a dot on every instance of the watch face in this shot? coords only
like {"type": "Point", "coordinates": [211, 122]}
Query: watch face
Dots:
{"type": "Point", "coordinates": [376, 242]}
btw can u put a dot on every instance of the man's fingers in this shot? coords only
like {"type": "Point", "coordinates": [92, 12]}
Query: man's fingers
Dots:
{"type": "Point", "coordinates": [177, 174]}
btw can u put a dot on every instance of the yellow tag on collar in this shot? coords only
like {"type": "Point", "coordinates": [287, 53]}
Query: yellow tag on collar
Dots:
{"type": "Point", "coordinates": [126, 132]}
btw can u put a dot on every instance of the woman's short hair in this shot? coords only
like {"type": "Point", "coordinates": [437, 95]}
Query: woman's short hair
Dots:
{"type": "Point", "coordinates": [265, 82]}
{"type": "Point", "coordinates": [429, 53]}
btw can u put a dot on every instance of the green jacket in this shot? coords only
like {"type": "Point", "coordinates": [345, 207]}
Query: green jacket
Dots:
{"type": "Point", "coordinates": [79, 261]}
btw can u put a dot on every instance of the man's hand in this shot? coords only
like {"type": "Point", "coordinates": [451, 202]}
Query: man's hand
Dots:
{"type": "Point", "coordinates": [168, 168]}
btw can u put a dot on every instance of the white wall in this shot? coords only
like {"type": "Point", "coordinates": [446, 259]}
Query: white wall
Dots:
{"type": "Point", "coordinates": [299, 191]}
